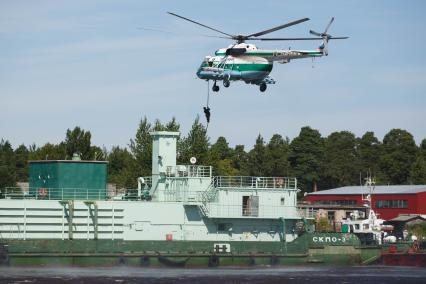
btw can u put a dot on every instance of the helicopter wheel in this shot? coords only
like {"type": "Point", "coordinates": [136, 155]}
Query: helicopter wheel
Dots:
{"type": "Point", "coordinates": [262, 87]}
{"type": "Point", "coordinates": [215, 88]}
{"type": "Point", "coordinates": [226, 83]}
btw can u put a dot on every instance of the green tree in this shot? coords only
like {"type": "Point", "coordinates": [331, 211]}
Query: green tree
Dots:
{"type": "Point", "coordinates": [141, 149]}
{"type": "Point", "coordinates": [399, 153]}
{"type": "Point", "coordinates": [277, 151]}
{"type": "Point", "coordinates": [322, 225]}
{"type": "Point", "coordinates": [78, 141]}
{"type": "Point", "coordinates": [240, 160]}
{"type": "Point", "coordinates": [120, 168]}
{"type": "Point", "coordinates": [196, 144]}
{"type": "Point", "coordinates": [48, 152]}
{"type": "Point", "coordinates": [219, 151]}
{"type": "Point", "coordinates": [21, 162]}
{"type": "Point", "coordinates": [418, 230]}
{"type": "Point", "coordinates": [340, 164]}
{"type": "Point", "coordinates": [98, 154]}
{"type": "Point", "coordinates": [158, 126]}
{"type": "Point", "coordinates": [418, 171]}
{"type": "Point", "coordinates": [7, 165]}
{"type": "Point", "coordinates": [225, 167]}
{"type": "Point", "coordinates": [306, 153]}
{"type": "Point", "coordinates": [418, 168]}
{"type": "Point", "coordinates": [369, 153]}
{"type": "Point", "coordinates": [257, 159]}
{"type": "Point", "coordinates": [423, 149]}
{"type": "Point", "coordinates": [172, 125]}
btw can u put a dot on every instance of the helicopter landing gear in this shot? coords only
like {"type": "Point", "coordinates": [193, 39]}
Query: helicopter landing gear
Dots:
{"type": "Point", "coordinates": [226, 83]}
{"type": "Point", "coordinates": [262, 87]}
{"type": "Point", "coordinates": [215, 87]}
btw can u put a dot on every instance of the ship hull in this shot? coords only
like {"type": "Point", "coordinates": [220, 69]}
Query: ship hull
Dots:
{"type": "Point", "coordinates": [302, 251]}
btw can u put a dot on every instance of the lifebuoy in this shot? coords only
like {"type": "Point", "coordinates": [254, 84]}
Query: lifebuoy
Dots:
{"type": "Point", "coordinates": [42, 192]}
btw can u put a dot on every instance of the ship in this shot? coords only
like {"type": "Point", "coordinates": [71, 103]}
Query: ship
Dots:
{"type": "Point", "coordinates": [180, 216]}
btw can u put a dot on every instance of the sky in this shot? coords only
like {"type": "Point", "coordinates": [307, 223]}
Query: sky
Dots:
{"type": "Point", "coordinates": [101, 66]}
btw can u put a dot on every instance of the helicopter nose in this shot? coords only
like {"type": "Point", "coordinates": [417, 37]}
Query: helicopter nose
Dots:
{"type": "Point", "coordinates": [199, 72]}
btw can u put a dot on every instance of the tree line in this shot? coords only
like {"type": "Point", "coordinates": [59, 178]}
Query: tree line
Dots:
{"type": "Point", "coordinates": [318, 162]}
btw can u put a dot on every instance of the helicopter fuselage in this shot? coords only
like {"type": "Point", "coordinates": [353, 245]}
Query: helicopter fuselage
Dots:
{"type": "Point", "coordinates": [247, 63]}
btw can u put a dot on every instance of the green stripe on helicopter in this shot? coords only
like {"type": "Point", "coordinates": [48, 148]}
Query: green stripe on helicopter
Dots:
{"type": "Point", "coordinates": [245, 67]}
{"type": "Point", "coordinates": [269, 53]}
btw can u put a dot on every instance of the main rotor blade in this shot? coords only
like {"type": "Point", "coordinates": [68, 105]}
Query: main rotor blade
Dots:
{"type": "Point", "coordinates": [181, 34]}
{"type": "Point", "coordinates": [210, 28]}
{"type": "Point", "coordinates": [286, 38]}
{"type": "Point", "coordinates": [294, 38]}
{"type": "Point", "coordinates": [278, 28]}
{"type": "Point", "coordinates": [315, 33]}
{"type": "Point", "coordinates": [329, 24]}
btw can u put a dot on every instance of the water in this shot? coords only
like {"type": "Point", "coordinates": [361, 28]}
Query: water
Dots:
{"type": "Point", "coordinates": [117, 275]}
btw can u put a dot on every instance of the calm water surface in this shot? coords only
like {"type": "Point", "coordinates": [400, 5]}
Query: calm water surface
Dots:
{"type": "Point", "coordinates": [318, 275]}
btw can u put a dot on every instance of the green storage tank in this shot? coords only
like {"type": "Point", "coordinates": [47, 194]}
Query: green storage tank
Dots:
{"type": "Point", "coordinates": [65, 180]}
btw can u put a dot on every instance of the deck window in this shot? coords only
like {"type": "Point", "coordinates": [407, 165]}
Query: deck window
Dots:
{"type": "Point", "coordinates": [391, 204]}
{"type": "Point", "coordinates": [336, 202]}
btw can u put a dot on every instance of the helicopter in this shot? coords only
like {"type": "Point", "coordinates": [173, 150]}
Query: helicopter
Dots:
{"type": "Point", "coordinates": [245, 62]}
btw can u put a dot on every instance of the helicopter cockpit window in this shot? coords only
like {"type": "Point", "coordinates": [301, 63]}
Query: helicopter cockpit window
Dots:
{"type": "Point", "coordinates": [209, 60]}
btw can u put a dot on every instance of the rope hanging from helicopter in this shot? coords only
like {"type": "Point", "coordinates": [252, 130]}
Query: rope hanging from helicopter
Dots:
{"type": "Point", "coordinates": [207, 108]}
{"type": "Point", "coordinates": [221, 68]}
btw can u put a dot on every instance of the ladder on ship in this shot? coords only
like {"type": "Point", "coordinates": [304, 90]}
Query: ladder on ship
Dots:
{"type": "Point", "coordinates": [208, 196]}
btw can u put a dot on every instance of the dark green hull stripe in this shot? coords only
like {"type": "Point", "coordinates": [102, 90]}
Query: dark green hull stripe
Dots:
{"type": "Point", "coordinates": [246, 67]}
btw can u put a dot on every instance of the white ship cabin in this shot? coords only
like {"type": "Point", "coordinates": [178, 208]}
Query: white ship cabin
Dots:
{"type": "Point", "coordinates": [219, 196]}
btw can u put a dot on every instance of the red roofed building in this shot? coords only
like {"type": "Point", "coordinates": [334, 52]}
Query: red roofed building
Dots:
{"type": "Point", "coordinates": [387, 200]}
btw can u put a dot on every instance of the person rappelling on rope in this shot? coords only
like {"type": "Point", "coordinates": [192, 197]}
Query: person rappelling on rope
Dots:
{"type": "Point", "coordinates": [206, 108]}
{"type": "Point", "coordinates": [207, 113]}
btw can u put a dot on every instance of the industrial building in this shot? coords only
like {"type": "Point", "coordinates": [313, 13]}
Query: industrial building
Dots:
{"type": "Point", "coordinates": [388, 201]}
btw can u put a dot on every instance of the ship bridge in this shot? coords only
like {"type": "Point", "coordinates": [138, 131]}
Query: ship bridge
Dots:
{"type": "Point", "coordinates": [229, 196]}
{"type": "Point", "coordinates": [217, 196]}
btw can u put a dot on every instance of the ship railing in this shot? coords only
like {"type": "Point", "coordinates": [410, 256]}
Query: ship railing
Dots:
{"type": "Point", "coordinates": [255, 182]}
{"type": "Point", "coordinates": [187, 197]}
{"type": "Point", "coordinates": [241, 211]}
{"type": "Point", "coordinates": [49, 193]}
{"type": "Point", "coordinates": [188, 171]}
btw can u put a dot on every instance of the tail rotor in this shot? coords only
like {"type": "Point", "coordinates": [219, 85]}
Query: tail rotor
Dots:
{"type": "Point", "coordinates": [326, 37]}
